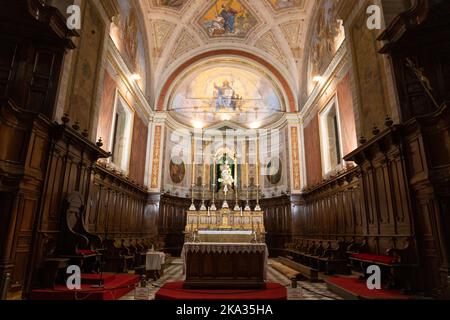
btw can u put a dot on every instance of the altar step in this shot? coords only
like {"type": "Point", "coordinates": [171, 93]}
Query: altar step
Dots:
{"type": "Point", "coordinates": [305, 271]}
{"type": "Point", "coordinates": [115, 287]}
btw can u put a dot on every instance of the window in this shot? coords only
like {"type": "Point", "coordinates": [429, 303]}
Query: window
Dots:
{"type": "Point", "coordinates": [330, 136]}
{"type": "Point", "coordinates": [121, 134]}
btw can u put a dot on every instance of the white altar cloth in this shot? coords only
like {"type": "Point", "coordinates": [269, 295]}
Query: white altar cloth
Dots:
{"type": "Point", "coordinates": [241, 232]}
{"type": "Point", "coordinates": [154, 260]}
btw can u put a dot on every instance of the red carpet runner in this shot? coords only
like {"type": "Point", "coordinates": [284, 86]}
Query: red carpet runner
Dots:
{"type": "Point", "coordinates": [355, 289]}
{"type": "Point", "coordinates": [116, 286]}
{"type": "Point", "coordinates": [175, 291]}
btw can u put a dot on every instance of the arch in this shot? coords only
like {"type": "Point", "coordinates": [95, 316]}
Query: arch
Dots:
{"type": "Point", "coordinates": [285, 85]}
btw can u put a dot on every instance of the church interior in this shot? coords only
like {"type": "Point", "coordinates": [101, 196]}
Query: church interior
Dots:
{"type": "Point", "coordinates": [224, 149]}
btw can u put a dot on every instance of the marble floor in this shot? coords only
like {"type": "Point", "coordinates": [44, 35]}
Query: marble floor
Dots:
{"type": "Point", "coordinates": [308, 290]}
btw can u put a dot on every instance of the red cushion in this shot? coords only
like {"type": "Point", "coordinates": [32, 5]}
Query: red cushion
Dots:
{"type": "Point", "coordinates": [86, 252]}
{"type": "Point", "coordinates": [376, 258]}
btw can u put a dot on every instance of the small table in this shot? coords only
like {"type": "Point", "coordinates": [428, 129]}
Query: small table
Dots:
{"type": "Point", "coordinates": [154, 261]}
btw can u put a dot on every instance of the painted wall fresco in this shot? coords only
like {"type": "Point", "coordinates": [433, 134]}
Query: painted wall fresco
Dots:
{"type": "Point", "coordinates": [228, 18]}
{"type": "Point", "coordinates": [82, 97]}
{"type": "Point", "coordinates": [313, 160]}
{"type": "Point", "coordinates": [275, 170]}
{"type": "Point", "coordinates": [106, 111]}
{"type": "Point", "coordinates": [127, 35]}
{"type": "Point", "coordinates": [225, 93]}
{"type": "Point", "coordinates": [370, 77]}
{"type": "Point", "coordinates": [177, 170]}
{"type": "Point", "coordinates": [327, 36]}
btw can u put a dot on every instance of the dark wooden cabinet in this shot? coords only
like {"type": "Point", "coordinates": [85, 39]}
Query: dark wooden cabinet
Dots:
{"type": "Point", "coordinates": [34, 40]}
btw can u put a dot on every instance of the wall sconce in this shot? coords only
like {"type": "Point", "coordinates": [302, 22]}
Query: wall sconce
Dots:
{"type": "Point", "coordinates": [317, 79]}
{"type": "Point", "coordinates": [135, 77]}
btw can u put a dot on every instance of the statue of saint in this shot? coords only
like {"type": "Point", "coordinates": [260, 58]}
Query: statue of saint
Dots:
{"type": "Point", "coordinates": [226, 177]}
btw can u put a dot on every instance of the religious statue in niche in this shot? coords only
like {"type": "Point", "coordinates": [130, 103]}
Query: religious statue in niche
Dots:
{"type": "Point", "coordinates": [177, 170]}
{"type": "Point", "coordinates": [226, 179]}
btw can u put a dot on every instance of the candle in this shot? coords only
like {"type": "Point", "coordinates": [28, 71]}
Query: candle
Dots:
{"type": "Point", "coordinates": [257, 162]}
{"type": "Point", "coordinates": [204, 173]}
{"type": "Point", "coordinates": [235, 172]}
{"type": "Point", "coordinates": [214, 173]}
{"type": "Point", "coordinates": [193, 161]}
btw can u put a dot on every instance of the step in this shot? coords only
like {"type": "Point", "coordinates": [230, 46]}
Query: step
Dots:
{"type": "Point", "coordinates": [308, 272]}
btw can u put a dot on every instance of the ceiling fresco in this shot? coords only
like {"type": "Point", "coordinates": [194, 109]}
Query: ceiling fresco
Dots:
{"type": "Point", "coordinates": [227, 18]}
{"type": "Point", "coordinates": [224, 91]}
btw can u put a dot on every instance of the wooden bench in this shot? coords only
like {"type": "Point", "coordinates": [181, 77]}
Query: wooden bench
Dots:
{"type": "Point", "coordinates": [324, 255]}
{"type": "Point", "coordinates": [334, 259]}
{"type": "Point", "coordinates": [118, 256]}
{"type": "Point", "coordinates": [308, 272]}
{"type": "Point", "coordinates": [397, 264]}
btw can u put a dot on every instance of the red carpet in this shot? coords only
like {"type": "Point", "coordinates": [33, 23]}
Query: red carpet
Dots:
{"type": "Point", "coordinates": [116, 286]}
{"type": "Point", "coordinates": [355, 288]}
{"type": "Point", "coordinates": [175, 291]}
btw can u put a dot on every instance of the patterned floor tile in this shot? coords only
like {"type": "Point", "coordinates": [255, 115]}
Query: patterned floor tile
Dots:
{"type": "Point", "coordinates": [304, 291]}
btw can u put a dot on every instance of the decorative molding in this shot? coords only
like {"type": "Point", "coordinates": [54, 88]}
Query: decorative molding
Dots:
{"type": "Point", "coordinates": [268, 43]}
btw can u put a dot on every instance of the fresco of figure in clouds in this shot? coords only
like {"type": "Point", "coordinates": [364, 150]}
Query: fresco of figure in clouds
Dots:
{"type": "Point", "coordinates": [228, 18]}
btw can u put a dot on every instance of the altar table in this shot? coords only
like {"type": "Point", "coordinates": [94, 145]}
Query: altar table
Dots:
{"type": "Point", "coordinates": [225, 265]}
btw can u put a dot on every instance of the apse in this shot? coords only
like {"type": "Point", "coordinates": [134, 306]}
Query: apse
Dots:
{"type": "Point", "coordinates": [223, 89]}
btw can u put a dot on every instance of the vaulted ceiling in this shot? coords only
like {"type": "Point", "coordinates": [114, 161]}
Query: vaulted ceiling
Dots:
{"type": "Point", "coordinates": [177, 30]}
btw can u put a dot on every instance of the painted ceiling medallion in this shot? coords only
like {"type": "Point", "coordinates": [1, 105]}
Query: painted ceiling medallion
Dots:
{"type": "Point", "coordinates": [172, 4]}
{"type": "Point", "coordinates": [227, 18]}
{"type": "Point", "coordinates": [286, 4]}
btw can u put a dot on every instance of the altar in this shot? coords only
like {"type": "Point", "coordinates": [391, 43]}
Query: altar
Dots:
{"type": "Point", "coordinates": [225, 248]}
{"type": "Point", "coordinates": [225, 225]}
{"type": "Point", "coordinates": [225, 265]}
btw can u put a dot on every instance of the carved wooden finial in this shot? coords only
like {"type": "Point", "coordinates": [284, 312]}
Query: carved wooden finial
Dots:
{"type": "Point", "coordinates": [388, 122]}
{"type": "Point", "coordinates": [99, 143]}
{"type": "Point", "coordinates": [65, 118]}
{"type": "Point", "coordinates": [362, 140]}
{"type": "Point", "coordinates": [85, 133]}
{"type": "Point", "coordinates": [76, 125]}
{"type": "Point", "coordinates": [375, 131]}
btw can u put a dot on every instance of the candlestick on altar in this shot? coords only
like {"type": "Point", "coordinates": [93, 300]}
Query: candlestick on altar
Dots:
{"type": "Point", "coordinates": [203, 206]}
{"type": "Point", "coordinates": [213, 205]}
{"type": "Point", "coordinates": [236, 205]}
{"type": "Point", "coordinates": [192, 207]}
{"type": "Point", "coordinates": [257, 207]}
{"type": "Point", "coordinates": [247, 205]}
